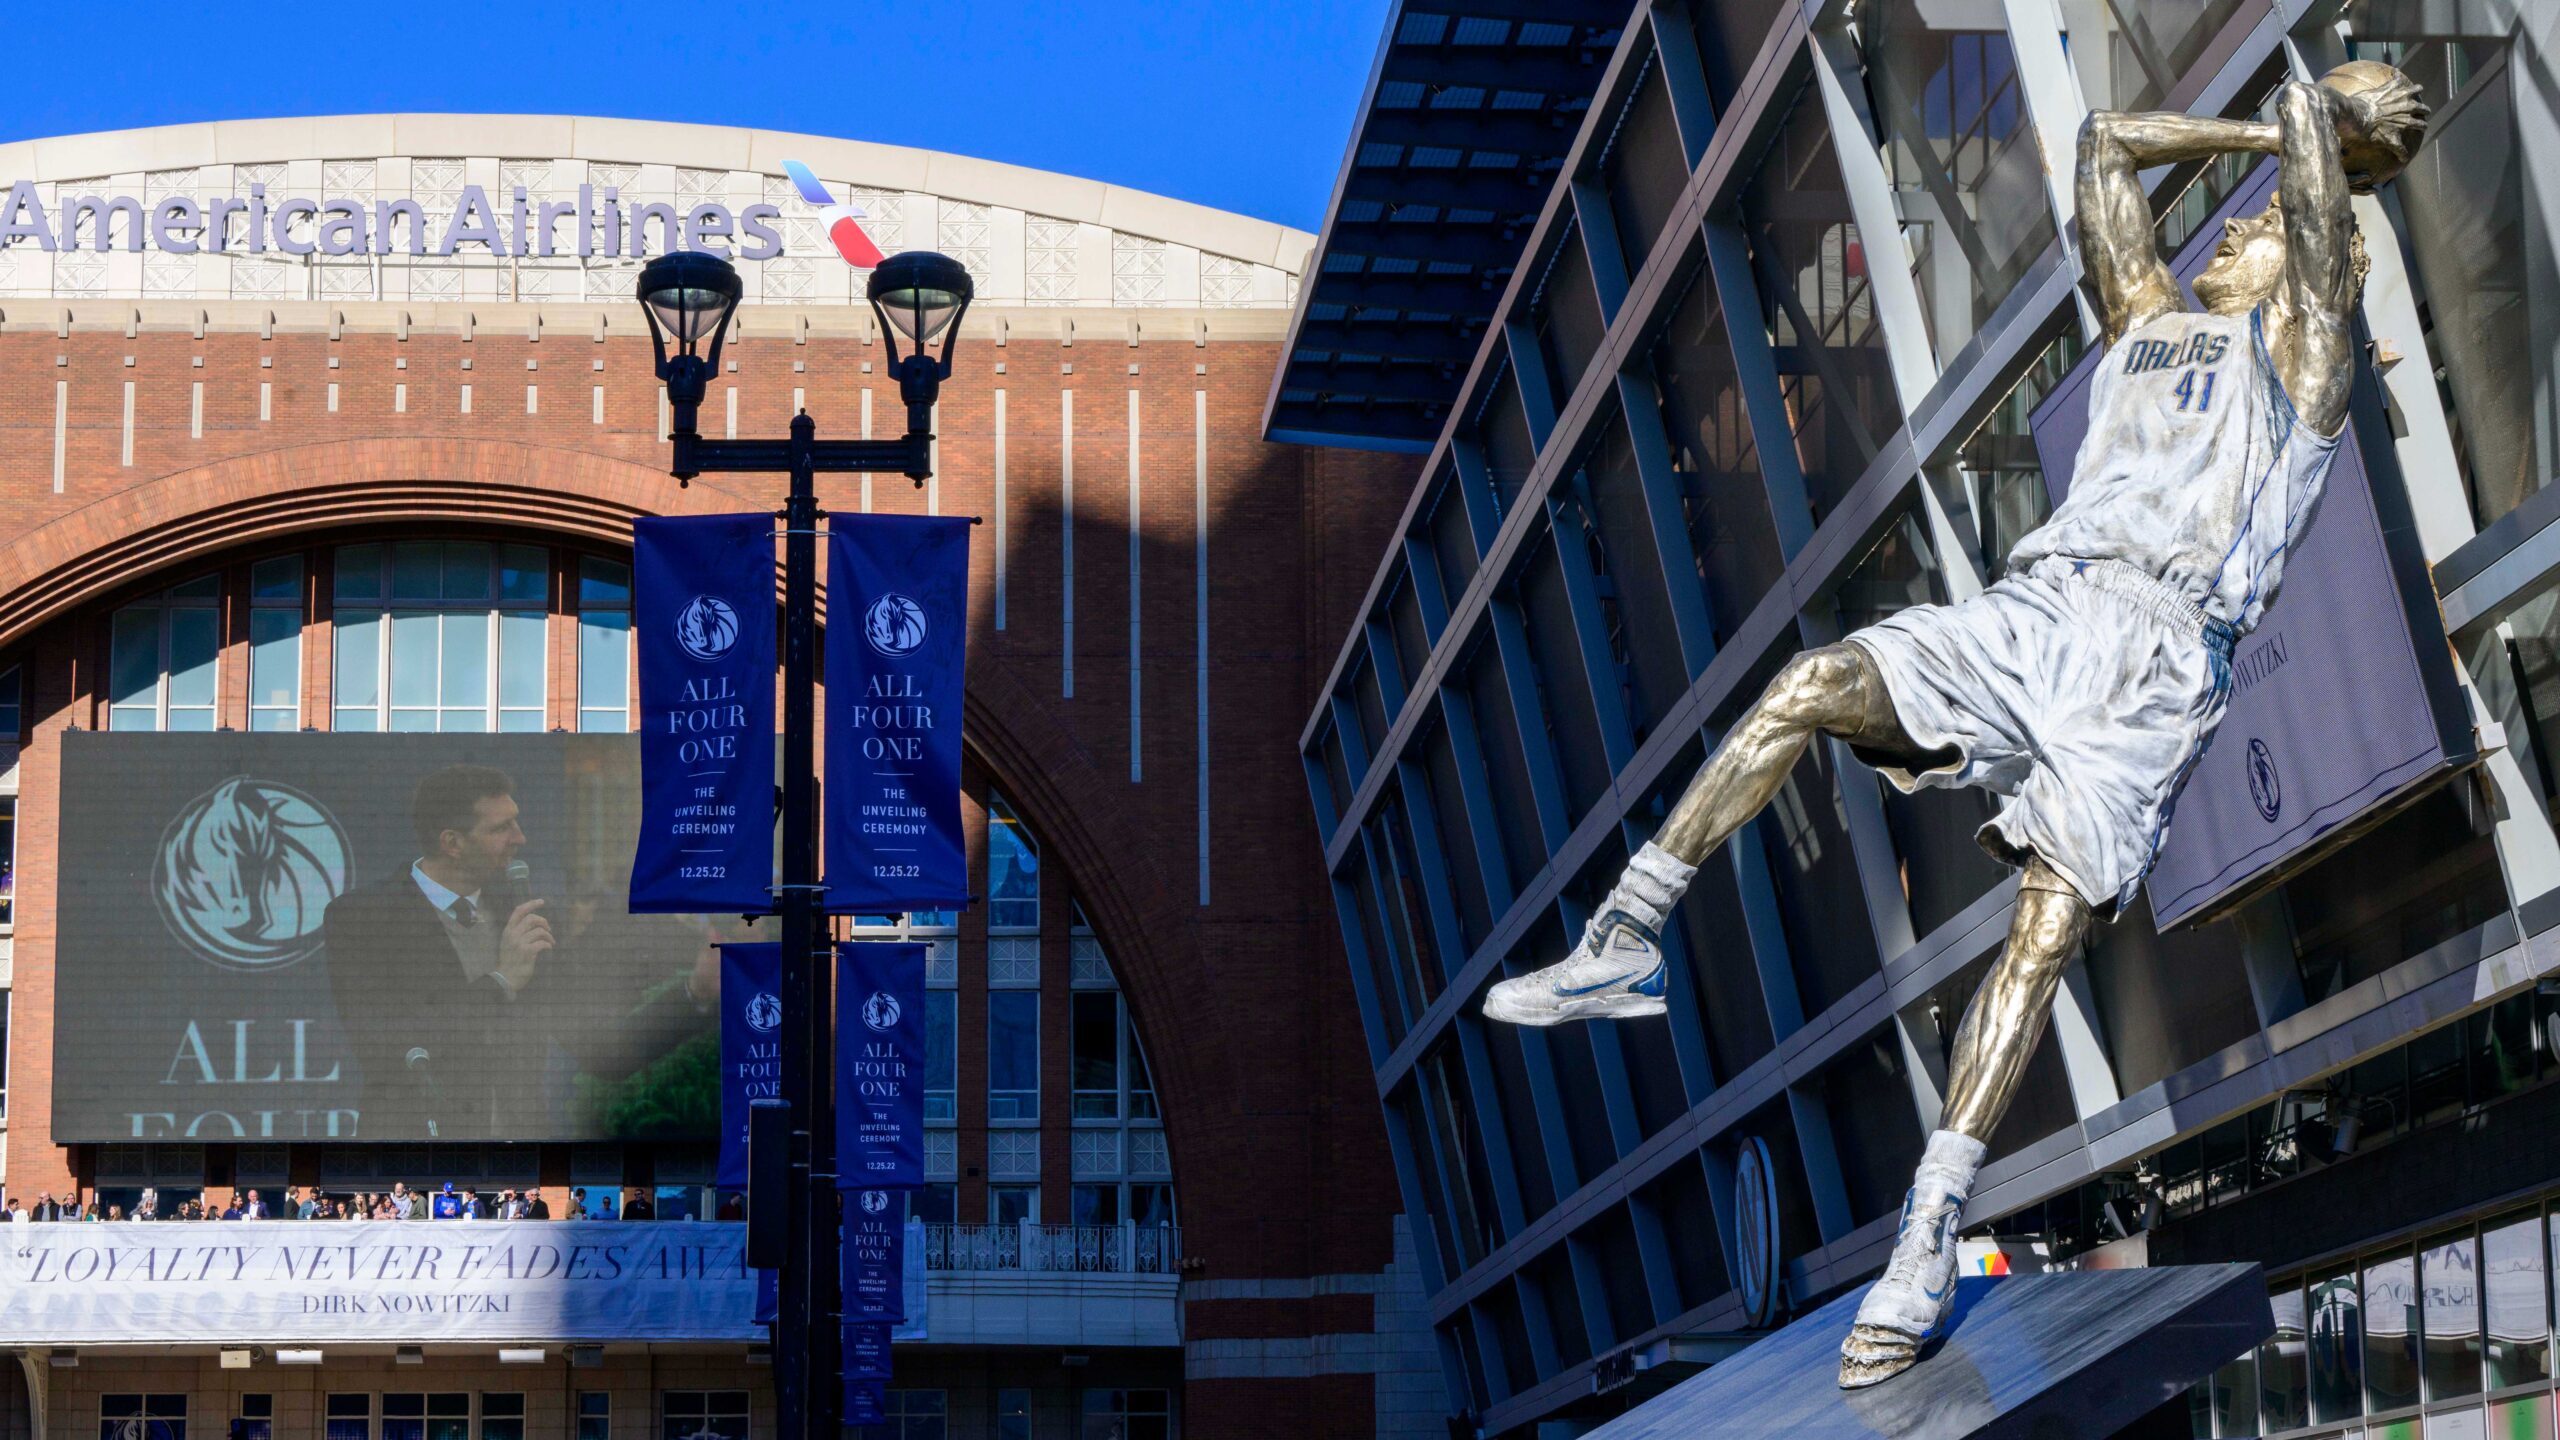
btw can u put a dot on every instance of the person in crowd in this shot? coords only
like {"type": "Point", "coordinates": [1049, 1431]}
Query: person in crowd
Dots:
{"type": "Point", "coordinates": [577, 1202]}
{"type": "Point", "coordinates": [309, 1206]}
{"type": "Point", "coordinates": [537, 1208]}
{"type": "Point", "coordinates": [46, 1209]}
{"type": "Point", "coordinates": [20, 1223]}
{"type": "Point", "coordinates": [446, 1205]}
{"type": "Point", "coordinates": [639, 1207]}
{"type": "Point", "coordinates": [255, 1208]}
{"type": "Point", "coordinates": [231, 1211]}
{"type": "Point", "coordinates": [115, 1212]}
{"type": "Point", "coordinates": [148, 1207]}
{"type": "Point", "coordinates": [472, 1207]}
{"type": "Point", "coordinates": [404, 1206]}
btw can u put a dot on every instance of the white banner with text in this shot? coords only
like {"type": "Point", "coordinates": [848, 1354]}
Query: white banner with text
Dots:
{"type": "Point", "coordinates": [285, 1281]}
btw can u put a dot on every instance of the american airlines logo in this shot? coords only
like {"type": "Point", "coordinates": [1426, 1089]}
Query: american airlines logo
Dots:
{"type": "Point", "coordinates": [598, 222]}
{"type": "Point", "coordinates": [843, 223]}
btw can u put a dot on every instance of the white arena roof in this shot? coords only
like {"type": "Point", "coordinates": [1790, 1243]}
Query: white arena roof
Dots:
{"type": "Point", "coordinates": [413, 204]}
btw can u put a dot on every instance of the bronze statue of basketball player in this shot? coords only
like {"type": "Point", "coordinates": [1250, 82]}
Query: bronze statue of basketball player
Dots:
{"type": "Point", "coordinates": [2082, 687]}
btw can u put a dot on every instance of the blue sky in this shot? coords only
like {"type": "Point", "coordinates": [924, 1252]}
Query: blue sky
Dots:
{"type": "Point", "coordinates": [1245, 107]}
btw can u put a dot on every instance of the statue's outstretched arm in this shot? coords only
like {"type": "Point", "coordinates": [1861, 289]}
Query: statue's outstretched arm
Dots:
{"type": "Point", "coordinates": [2320, 280]}
{"type": "Point", "coordinates": [2118, 252]}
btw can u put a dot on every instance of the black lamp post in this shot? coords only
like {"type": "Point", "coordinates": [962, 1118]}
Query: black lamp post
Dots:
{"type": "Point", "coordinates": [689, 297]}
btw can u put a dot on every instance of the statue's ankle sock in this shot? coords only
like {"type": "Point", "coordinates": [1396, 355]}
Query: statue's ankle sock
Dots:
{"type": "Point", "coordinates": [1653, 882]}
{"type": "Point", "coordinates": [1947, 1169]}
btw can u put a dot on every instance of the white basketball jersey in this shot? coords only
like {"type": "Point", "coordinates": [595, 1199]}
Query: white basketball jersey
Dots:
{"type": "Point", "coordinates": [2195, 468]}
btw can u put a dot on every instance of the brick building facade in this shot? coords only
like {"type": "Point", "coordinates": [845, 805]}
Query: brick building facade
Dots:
{"type": "Point", "coordinates": [1155, 596]}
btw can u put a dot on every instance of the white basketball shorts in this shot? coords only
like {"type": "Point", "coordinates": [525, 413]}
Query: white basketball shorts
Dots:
{"type": "Point", "coordinates": [2081, 691]}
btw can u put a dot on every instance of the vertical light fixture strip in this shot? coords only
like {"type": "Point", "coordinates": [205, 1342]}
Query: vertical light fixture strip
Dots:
{"type": "Point", "coordinates": [1136, 770]}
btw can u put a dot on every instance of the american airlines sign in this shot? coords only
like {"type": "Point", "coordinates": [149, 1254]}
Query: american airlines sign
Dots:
{"type": "Point", "coordinates": [597, 223]}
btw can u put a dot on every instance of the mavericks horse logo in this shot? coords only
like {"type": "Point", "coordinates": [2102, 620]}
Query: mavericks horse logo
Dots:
{"type": "Point", "coordinates": [764, 1012]}
{"type": "Point", "coordinates": [894, 625]}
{"type": "Point", "coordinates": [881, 1011]}
{"type": "Point", "coordinates": [245, 872]}
{"type": "Point", "coordinates": [706, 627]}
{"type": "Point", "coordinates": [2265, 791]}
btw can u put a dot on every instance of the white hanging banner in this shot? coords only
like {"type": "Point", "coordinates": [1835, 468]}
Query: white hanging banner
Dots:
{"type": "Point", "coordinates": [317, 1281]}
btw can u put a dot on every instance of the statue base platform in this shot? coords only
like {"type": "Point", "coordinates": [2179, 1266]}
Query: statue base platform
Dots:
{"type": "Point", "coordinates": [2086, 1354]}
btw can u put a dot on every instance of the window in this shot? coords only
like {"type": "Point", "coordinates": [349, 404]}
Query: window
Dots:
{"type": "Point", "coordinates": [1096, 1033]}
{"type": "Point", "coordinates": [161, 659]}
{"type": "Point", "coordinates": [1093, 1205]}
{"type": "Point", "coordinates": [938, 1203]}
{"type": "Point", "coordinates": [1967, 175]}
{"type": "Point", "coordinates": [4, 1054]}
{"type": "Point", "coordinates": [2130, 56]}
{"type": "Point", "coordinates": [2512, 1277]}
{"type": "Point", "coordinates": [142, 1417]}
{"type": "Point", "coordinates": [1811, 264]}
{"type": "Point", "coordinates": [440, 635]}
{"type": "Point", "coordinates": [2390, 1333]}
{"type": "Point", "coordinates": [502, 1415]}
{"type": "Point", "coordinates": [256, 1420]}
{"type": "Point", "coordinates": [706, 1415]}
{"type": "Point", "coordinates": [12, 705]}
{"type": "Point", "coordinates": [1013, 1415]}
{"type": "Point", "coordinates": [1151, 1205]}
{"type": "Point", "coordinates": [941, 1056]}
{"type": "Point", "coordinates": [2004, 478]}
{"type": "Point", "coordinates": [1106, 1052]}
{"type": "Point", "coordinates": [275, 644]}
{"type": "Point", "coordinates": [1013, 871]}
{"type": "Point", "coordinates": [445, 1416]}
{"type": "Point", "coordinates": [349, 1417]}
{"type": "Point", "coordinates": [604, 645]}
{"type": "Point", "coordinates": [2479, 240]}
{"type": "Point", "coordinates": [1127, 1415]}
{"type": "Point", "coordinates": [595, 1415]}
{"type": "Point", "coordinates": [1011, 1204]}
{"type": "Point", "coordinates": [8, 861]}
{"type": "Point", "coordinates": [1723, 499]}
{"type": "Point", "coordinates": [910, 1415]}
{"type": "Point", "coordinates": [1013, 1055]}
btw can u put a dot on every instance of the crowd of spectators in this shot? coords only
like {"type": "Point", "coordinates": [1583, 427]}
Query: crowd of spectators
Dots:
{"type": "Point", "coordinates": [311, 1203]}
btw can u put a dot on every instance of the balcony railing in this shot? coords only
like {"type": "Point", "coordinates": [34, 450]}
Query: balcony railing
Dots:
{"type": "Point", "coordinates": [1124, 1249]}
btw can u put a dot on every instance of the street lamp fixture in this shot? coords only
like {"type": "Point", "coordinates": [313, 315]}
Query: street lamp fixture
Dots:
{"type": "Point", "coordinates": [920, 295]}
{"type": "Point", "coordinates": [689, 297]}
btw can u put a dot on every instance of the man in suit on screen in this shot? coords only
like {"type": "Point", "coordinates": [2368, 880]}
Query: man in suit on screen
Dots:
{"type": "Point", "coordinates": [437, 970]}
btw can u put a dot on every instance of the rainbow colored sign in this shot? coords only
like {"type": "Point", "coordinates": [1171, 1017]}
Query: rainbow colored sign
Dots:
{"type": "Point", "coordinates": [843, 222]}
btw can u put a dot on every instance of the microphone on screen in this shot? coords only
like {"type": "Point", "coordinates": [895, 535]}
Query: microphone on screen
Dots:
{"type": "Point", "coordinates": [520, 875]}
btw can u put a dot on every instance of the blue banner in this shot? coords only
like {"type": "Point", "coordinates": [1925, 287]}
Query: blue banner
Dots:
{"type": "Point", "coordinates": [897, 643]}
{"type": "Point", "coordinates": [875, 1289]}
{"type": "Point", "coordinates": [866, 1352]}
{"type": "Point", "coordinates": [865, 1401]}
{"type": "Point", "coordinates": [750, 1047]}
{"type": "Point", "coordinates": [702, 593]}
{"type": "Point", "coordinates": [879, 1065]}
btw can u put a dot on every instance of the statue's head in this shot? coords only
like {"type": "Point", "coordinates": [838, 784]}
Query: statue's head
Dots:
{"type": "Point", "coordinates": [2249, 263]}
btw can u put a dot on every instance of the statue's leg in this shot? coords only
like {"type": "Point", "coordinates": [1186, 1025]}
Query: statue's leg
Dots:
{"type": "Point", "coordinates": [1835, 690]}
{"type": "Point", "coordinates": [1999, 1033]}
{"type": "Point", "coordinates": [1617, 971]}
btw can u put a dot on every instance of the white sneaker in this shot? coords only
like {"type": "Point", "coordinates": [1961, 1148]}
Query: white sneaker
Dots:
{"type": "Point", "coordinates": [1616, 973]}
{"type": "Point", "coordinates": [1909, 1306]}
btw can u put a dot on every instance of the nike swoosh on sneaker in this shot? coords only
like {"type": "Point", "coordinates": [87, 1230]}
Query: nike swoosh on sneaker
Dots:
{"type": "Point", "coordinates": [1603, 985]}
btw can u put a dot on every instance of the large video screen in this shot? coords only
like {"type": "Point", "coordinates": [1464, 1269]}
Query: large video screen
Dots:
{"type": "Point", "coordinates": [370, 937]}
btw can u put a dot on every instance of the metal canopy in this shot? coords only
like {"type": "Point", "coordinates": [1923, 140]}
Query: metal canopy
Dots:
{"type": "Point", "coordinates": [1471, 107]}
